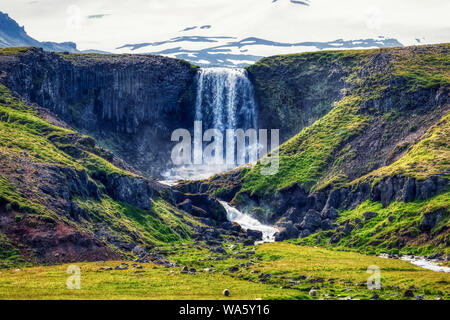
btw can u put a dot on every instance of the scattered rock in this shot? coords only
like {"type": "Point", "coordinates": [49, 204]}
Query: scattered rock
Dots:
{"type": "Point", "coordinates": [226, 293]}
{"type": "Point", "coordinates": [218, 249]}
{"type": "Point", "coordinates": [369, 215]}
{"type": "Point", "coordinates": [312, 292]}
{"type": "Point", "coordinates": [249, 242]}
{"type": "Point", "coordinates": [233, 269]}
{"type": "Point", "coordinates": [311, 221]}
{"type": "Point", "coordinates": [185, 269]}
{"type": "Point", "coordinates": [408, 294]}
{"type": "Point", "coordinates": [255, 234]}
{"type": "Point", "coordinates": [326, 225]}
{"type": "Point", "coordinates": [122, 266]}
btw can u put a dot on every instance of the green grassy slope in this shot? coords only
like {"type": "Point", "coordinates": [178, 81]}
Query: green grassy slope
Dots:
{"type": "Point", "coordinates": [32, 149]}
{"type": "Point", "coordinates": [391, 120]}
{"type": "Point", "coordinates": [380, 94]}
{"type": "Point", "coordinates": [397, 228]}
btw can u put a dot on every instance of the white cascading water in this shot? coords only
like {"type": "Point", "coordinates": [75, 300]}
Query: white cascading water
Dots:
{"type": "Point", "coordinates": [247, 222]}
{"type": "Point", "coordinates": [224, 100]}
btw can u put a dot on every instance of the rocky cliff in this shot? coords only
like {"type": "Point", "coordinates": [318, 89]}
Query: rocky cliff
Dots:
{"type": "Point", "coordinates": [371, 127]}
{"type": "Point", "coordinates": [64, 198]}
{"type": "Point", "coordinates": [130, 103]}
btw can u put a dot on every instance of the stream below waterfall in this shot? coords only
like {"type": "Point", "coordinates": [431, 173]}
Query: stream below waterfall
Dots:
{"type": "Point", "coordinates": [248, 222]}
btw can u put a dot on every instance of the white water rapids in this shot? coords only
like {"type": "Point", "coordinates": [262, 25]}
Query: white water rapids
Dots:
{"type": "Point", "coordinates": [248, 222]}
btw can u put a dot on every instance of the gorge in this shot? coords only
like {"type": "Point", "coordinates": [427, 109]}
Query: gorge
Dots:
{"type": "Point", "coordinates": [362, 164]}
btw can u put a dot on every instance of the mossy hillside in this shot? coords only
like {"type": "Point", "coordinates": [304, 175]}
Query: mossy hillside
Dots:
{"type": "Point", "coordinates": [424, 67]}
{"type": "Point", "coordinates": [379, 85]}
{"type": "Point", "coordinates": [397, 228]}
{"type": "Point", "coordinates": [295, 90]}
{"type": "Point", "coordinates": [305, 157]}
{"type": "Point", "coordinates": [30, 143]}
{"type": "Point", "coordinates": [429, 157]}
{"type": "Point", "coordinates": [10, 254]}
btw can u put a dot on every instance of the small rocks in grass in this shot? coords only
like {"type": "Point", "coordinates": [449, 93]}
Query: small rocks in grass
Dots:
{"type": "Point", "coordinates": [375, 297]}
{"type": "Point", "coordinates": [185, 269]}
{"type": "Point", "coordinates": [408, 294]}
{"type": "Point", "coordinates": [313, 292]}
{"type": "Point", "coordinates": [233, 269]}
{"type": "Point", "coordinates": [226, 293]}
{"type": "Point", "coordinates": [122, 266]}
{"type": "Point", "coordinates": [369, 215]}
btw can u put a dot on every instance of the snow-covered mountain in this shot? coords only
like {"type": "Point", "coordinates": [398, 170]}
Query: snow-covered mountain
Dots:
{"type": "Point", "coordinates": [241, 36]}
{"type": "Point", "coordinates": [232, 52]}
{"type": "Point", "coordinates": [234, 38]}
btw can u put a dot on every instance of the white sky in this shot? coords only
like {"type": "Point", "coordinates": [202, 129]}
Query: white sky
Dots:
{"type": "Point", "coordinates": [136, 21]}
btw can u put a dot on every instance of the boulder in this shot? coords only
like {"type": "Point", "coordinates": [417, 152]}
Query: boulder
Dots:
{"type": "Point", "coordinates": [304, 233]}
{"type": "Point", "coordinates": [330, 213]}
{"type": "Point", "coordinates": [326, 225]}
{"type": "Point", "coordinates": [311, 221]}
{"type": "Point", "coordinates": [429, 220]}
{"type": "Point", "coordinates": [255, 234]}
{"type": "Point", "coordinates": [293, 214]}
{"type": "Point", "coordinates": [408, 294]}
{"type": "Point", "coordinates": [348, 228]}
{"type": "Point", "coordinates": [249, 242]}
{"type": "Point", "coordinates": [287, 231]}
{"type": "Point", "coordinates": [369, 215]}
{"type": "Point", "coordinates": [218, 249]}
{"type": "Point", "coordinates": [211, 206]}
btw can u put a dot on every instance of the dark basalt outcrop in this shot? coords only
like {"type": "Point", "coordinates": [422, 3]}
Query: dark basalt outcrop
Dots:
{"type": "Point", "coordinates": [299, 213]}
{"type": "Point", "coordinates": [129, 103]}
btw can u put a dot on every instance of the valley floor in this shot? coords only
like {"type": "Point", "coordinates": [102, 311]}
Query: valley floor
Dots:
{"type": "Point", "coordinates": [271, 271]}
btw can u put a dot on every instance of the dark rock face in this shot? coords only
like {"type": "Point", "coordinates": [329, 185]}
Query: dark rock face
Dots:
{"type": "Point", "coordinates": [299, 214]}
{"type": "Point", "coordinates": [138, 100]}
{"type": "Point", "coordinates": [132, 190]}
{"type": "Point", "coordinates": [430, 219]}
{"type": "Point", "coordinates": [199, 204]}
{"type": "Point", "coordinates": [311, 221]}
{"type": "Point", "coordinates": [288, 95]}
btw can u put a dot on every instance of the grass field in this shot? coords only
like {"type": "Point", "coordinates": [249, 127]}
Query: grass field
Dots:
{"type": "Point", "coordinates": [293, 270]}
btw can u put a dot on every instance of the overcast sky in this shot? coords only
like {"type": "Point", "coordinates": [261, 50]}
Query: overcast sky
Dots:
{"type": "Point", "coordinates": [107, 24]}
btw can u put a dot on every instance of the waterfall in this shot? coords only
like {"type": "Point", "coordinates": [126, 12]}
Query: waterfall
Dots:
{"type": "Point", "coordinates": [224, 100]}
